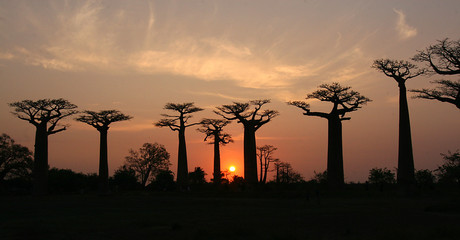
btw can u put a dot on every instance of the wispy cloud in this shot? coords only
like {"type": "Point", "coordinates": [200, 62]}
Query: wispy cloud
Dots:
{"type": "Point", "coordinates": [405, 31]}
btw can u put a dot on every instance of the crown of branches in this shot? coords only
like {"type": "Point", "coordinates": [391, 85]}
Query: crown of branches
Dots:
{"type": "Point", "coordinates": [244, 114]}
{"type": "Point", "coordinates": [344, 100]}
{"type": "Point", "coordinates": [184, 110]}
{"type": "Point", "coordinates": [44, 111]}
{"type": "Point", "coordinates": [213, 128]}
{"type": "Point", "coordinates": [102, 119]}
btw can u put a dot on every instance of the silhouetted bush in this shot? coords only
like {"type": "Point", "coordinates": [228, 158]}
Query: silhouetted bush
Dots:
{"type": "Point", "coordinates": [125, 178]}
{"type": "Point", "coordinates": [164, 181]}
{"type": "Point", "coordinates": [66, 181]}
{"type": "Point", "coordinates": [449, 172]}
{"type": "Point", "coordinates": [424, 178]}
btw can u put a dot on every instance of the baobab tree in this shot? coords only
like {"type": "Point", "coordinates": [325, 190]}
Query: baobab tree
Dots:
{"type": "Point", "coordinates": [179, 123]}
{"type": "Point", "coordinates": [401, 71]}
{"type": "Point", "coordinates": [442, 58]}
{"type": "Point", "coordinates": [45, 115]}
{"type": "Point", "coordinates": [344, 101]}
{"type": "Point", "coordinates": [101, 121]}
{"type": "Point", "coordinates": [213, 129]}
{"type": "Point", "coordinates": [252, 120]}
{"type": "Point", "coordinates": [446, 91]}
{"type": "Point", "coordinates": [265, 156]}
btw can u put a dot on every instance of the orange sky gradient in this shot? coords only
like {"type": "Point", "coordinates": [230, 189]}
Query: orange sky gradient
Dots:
{"type": "Point", "coordinates": [135, 56]}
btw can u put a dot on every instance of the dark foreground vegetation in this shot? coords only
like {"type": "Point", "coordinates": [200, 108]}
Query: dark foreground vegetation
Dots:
{"type": "Point", "coordinates": [273, 211]}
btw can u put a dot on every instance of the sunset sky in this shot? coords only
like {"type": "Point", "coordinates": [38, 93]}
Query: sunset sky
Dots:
{"type": "Point", "coordinates": [135, 56]}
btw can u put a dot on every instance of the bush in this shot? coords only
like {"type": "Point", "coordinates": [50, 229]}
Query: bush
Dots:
{"type": "Point", "coordinates": [449, 172]}
{"type": "Point", "coordinates": [381, 176]}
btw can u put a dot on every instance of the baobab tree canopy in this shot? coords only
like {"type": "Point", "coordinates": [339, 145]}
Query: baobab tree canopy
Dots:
{"type": "Point", "coordinates": [102, 119]}
{"type": "Point", "coordinates": [44, 111]}
{"type": "Point", "coordinates": [399, 70]}
{"type": "Point", "coordinates": [252, 120]}
{"type": "Point", "coordinates": [213, 129]}
{"type": "Point", "coordinates": [179, 122]}
{"type": "Point", "coordinates": [443, 57]}
{"type": "Point", "coordinates": [344, 100]}
{"type": "Point", "coordinates": [184, 110]}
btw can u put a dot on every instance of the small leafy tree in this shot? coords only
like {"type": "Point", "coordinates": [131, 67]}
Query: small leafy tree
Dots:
{"type": "Point", "coordinates": [449, 172]}
{"type": "Point", "coordinates": [265, 156]}
{"type": "Point", "coordinates": [125, 178]}
{"type": "Point", "coordinates": [197, 177]}
{"type": "Point", "coordinates": [424, 177]}
{"type": "Point", "coordinates": [320, 177]}
{"type": "Point", "coordinates": [148, 162]}
{"type": "Point", "coordinates": [286, 174]}
{"type": "Point", "coordinates": [15, 160]}
{"type": "Point", "coordinates": [381, 176]}
{"type": "Point", "coordinates": [164, 181]}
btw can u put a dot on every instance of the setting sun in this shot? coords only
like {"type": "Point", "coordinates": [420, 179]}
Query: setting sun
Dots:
{"type": "Point", "coordinates": [232, 168]}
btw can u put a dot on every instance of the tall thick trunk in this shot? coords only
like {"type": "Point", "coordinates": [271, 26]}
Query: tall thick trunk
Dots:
{"type": "Point", "coordinates": [40, 170]}
{"type": "Point", "coordinates": [182, 169]}
{"type": "Point", "coordinates": [335, 176]}
{"type": "Point", "coordinates": [217, 172]}
{"type": "Point", "coordinates": [405, 174]}
{"type": "Point", "coordinates": [250, 155]}
{"type": "Point", "coordinates": [103, 163]}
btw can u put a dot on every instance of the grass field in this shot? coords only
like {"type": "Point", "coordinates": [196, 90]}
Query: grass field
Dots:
{"type": "Point", "coordinates": [197, 216]}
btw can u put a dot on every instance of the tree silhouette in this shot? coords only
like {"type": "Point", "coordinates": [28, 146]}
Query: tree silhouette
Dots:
{"type": "Point", "coordinates": [344, 100]}
{"type": "Point", "coordinates": [179, 123]}
{"type": "Point", "coordinates": [101, 121]}
{"type": "Point", "coordinates": [265, 156]}
{"type": "Point", "coordinates": [148, 161]}
{"type": "Point", "coordinates": [252, 120]}
{"type": "Point", "coordinates": [444, 59]}
{"type": "Point", "coordinates": [401, 71]}
{"type": "Point", "coordinates": [286, 174]}
{"type": "Point", "coordinates": [446, 91]}
{"type": "Point", "coordinates": [213, 129]}
{"type": "Point", "coordinates": [40, 113]}
{"type": "Point", "coordinates": [15, 160]}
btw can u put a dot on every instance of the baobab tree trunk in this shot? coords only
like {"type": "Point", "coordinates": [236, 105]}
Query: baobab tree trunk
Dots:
{"type": "Point", "coordinates": [103, 163]}
{"type": "Point", "coordinates": [217, 173]}
{"type": "Point", "coordinates": [182, 169]}
{"type": "Point", "coordinates": [40, 170]}
{"type": "Point", "coordinates": [335, 176]}
{"type": "Point", "coordinates": [250, 155]}
{"type": "Point", "coordinates": [405, 175]}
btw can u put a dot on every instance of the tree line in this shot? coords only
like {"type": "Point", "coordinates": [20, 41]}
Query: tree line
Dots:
{"type": "Point", "coordinates": [442, 58]}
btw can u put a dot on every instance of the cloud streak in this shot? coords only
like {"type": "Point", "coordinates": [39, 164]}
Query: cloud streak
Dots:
{"type": "Point", "coordinates": [404, 30]}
